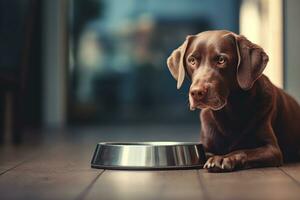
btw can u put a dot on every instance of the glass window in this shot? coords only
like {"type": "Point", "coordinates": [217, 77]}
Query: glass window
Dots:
{"type": "Point", "coordinates": [118, 51]}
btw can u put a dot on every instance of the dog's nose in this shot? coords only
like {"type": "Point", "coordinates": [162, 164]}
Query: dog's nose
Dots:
{"type": "Point", "coordinates": [198, 93]}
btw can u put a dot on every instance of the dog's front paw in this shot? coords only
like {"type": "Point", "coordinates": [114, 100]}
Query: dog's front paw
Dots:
{"type": "Point", "coordinates": [225, 163]}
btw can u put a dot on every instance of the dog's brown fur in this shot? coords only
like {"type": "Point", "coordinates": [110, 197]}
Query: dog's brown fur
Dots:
{"type": "Point", "coordinates": [246, 121]}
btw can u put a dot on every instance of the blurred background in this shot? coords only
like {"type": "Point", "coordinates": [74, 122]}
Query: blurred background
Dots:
{"type": "Point", "coordinates": [93, 64]}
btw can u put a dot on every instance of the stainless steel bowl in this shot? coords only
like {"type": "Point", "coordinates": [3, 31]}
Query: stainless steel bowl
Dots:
{"type": "Point", "coordinates": [148, 155]}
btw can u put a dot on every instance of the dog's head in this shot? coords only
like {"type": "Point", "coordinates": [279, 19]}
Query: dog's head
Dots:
{"type": "Point", "coordinates": [217, 63]}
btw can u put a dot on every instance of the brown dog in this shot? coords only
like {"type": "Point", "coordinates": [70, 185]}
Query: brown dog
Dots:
{"type": "Point", "coordinates": [246, 120]}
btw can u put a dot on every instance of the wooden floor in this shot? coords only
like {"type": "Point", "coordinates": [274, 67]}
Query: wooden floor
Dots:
{"type": "Point", "coordinates": [58, 167]}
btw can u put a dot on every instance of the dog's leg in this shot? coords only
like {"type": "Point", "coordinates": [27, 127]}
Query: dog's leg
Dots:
{"type": "Point", "coordinates": [267, 155]}
{"type": "Point", "coordinates": [242, 159]}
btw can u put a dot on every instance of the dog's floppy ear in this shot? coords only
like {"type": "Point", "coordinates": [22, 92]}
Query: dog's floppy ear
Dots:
{"type": "Point", "coordinates": [252, 62]}
{"type": "Point", "coordinates": [175, 62]}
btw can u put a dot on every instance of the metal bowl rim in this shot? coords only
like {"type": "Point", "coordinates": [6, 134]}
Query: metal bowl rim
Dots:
{"type": "Point", "coordinates": [122, 167]}
{"type": "Point", "coordinates": [149, 144]}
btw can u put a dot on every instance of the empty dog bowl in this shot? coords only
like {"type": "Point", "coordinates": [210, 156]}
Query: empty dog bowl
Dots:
{"type": "Point", "coordinates": [148, 155]}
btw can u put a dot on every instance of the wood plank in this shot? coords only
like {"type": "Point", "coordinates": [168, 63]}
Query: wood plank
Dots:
{"type": "Point", "coordinates": [11, 156]}
{"type": "Point", "coordinates": [264, 183]}
{"type": "Point", "coordinates": [60, 171]}
{"type": "Point", "coordinates": [131, 185]}
{"type": "Point", "coordinates": [63, 157]}
{"type": "Point", "coordinates": [57, 152]}
{"type": "Point", "coordinates": [2, 170]}
{"type": "Point", "coordinates": [293, 170]}
{"type": "Point", "coordinates": [32, 145]}
{"type": "Point", "coordinates": [43, 184]}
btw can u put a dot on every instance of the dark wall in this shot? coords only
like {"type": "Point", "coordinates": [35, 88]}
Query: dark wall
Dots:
{"type": "Point", "coordinates": [20, 53]}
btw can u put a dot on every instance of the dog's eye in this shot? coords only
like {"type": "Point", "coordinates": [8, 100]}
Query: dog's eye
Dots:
{"type": "Point", "coordinates": [192, 61]}
{"type": "Point", "coordinates": [221, 60]}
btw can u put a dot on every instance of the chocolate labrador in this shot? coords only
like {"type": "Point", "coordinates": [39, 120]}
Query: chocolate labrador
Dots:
{"type": "Point", "coordinates": [246, 121]}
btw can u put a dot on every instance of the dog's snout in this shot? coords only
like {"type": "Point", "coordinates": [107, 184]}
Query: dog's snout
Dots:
{"type": "Point", "coordinates": [198, 93]}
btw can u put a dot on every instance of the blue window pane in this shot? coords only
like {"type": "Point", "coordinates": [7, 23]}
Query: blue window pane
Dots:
{"type": "Point", "coordinates": [118, 53]}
